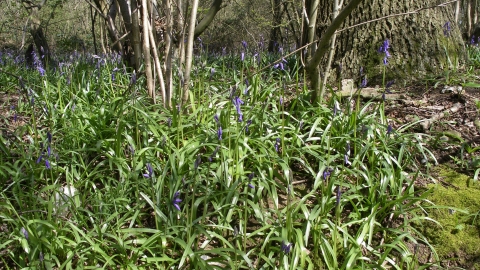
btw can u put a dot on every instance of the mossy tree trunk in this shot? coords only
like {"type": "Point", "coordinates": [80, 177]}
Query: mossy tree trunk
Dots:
{"type": "Point", "coordinates": [418, 43]}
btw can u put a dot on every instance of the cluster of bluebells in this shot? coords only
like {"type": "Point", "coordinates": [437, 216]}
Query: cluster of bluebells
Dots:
{"type": "Point", "coordinates": [384, 49]}
{"type": "Point", "coordinates": [45, 155]}
{"type": "Point", "coordinates": [37, 63]}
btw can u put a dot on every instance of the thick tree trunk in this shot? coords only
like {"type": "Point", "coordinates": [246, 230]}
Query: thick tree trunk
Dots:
{"type": "Point", "coordinates": [418, 44]}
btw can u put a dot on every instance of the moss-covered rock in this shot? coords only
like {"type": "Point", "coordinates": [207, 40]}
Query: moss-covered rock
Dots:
{"type": "Point", "coordinates": [457, 236]}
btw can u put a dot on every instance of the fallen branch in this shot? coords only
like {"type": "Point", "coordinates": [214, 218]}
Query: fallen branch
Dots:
{"type": "Point", "coordinates": [427, 123]}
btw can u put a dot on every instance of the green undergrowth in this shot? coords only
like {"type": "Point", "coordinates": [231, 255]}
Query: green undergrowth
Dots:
{"type": "Point", "coordinates": [456, 237]}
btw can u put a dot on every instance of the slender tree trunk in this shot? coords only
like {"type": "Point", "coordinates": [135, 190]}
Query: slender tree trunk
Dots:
{"type": "Point", "coordinates": [168, 52]}
{"type": "Point", "coordinates": [146, 52]}
{"type": "Point", "coordinates": [136, 42]}
{"type": "Point", "coordinates": [189, 51]}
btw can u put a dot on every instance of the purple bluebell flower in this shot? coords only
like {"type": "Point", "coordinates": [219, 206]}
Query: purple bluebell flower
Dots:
{"type": "Point", "coordinates": [238, 102]}
{"type": "Point", "coordinates": [326, 173]}
{"type": "Point", "coordinates": [214, 154]}
{"type": "Point", "coordinates": [249, 122]}
{"type": "Point", "coordinates": [347, 154]}
{"type": "Point", "coordinates": [384, 49]}
{"type": "Point", "coordinates": [113, 73]}
{"type": "Point", "coordinates": [472, 40]}
{"type": "Point", "coordinates": [244, 44]}
{"type": "Point", "coordinates": [242, 57]}
{"type": "Point", "coordinates": [47, 164]}
{"type": "Point", "coordinates": [389, 129]}
{"type": "Point", "coordinates": [286, 247]}
{"type": "Point", "coordinates": [280, 65]}
{"type": "Point", "coordinates": [277, 144]}
{"type": "Point", "coordinates": [24, 232]}
{"type": "Point", "coordinates": [133, 79]}
{"type": "Point", "coordinates": [389, 84]}
{"type": "Point", "coordinates": [149, 173]}
{"type": "Point", "coordinates": [49, 137]}
{"type": "Point", "coordinates": [176, 200]}
{"type": "Point", "coordinates": [212, 71]}
{"type": "Point", "coordinates": [250, 177]}
{"type": "Point", "coordinates": [219, 133]}
{"type": "Point", "coordinates": [215, 117]}
{"type": "Point", "coordinates": [281, 101]}
{"type": "Point", "coordinates": [364, 82]}
{"type": "Point", "coordinates": [447, 28]}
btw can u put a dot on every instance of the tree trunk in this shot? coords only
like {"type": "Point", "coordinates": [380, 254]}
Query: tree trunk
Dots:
{"type": "Point", "coordinates": [418, 44]}
{"type": "Point", "coordinates": [275, 33]}
{"type": "Point", "coordinates": [36, 31]}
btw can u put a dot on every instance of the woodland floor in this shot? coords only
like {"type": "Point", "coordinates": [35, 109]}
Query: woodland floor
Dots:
{"type": "Point", "coordinates": [416, 102]}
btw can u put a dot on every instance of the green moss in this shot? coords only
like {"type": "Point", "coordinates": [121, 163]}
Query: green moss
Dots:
{"type": "Point", "coordinates": [458, 235]}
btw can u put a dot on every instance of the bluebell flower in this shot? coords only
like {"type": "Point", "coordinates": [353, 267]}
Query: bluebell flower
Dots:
{"type": "Point", "coordinates": [242, 57]}
{"type": "Point", "coordinates": [244, 44]}
{"type": "Point", "coordinates": [286, 247]}
{"type": "Point", "coordinates": [49, 137]}
{"type": "Point", "coordinates": [176, 200]}
{"type": "Point", "coordinates": [384, 49]}
{"type": "Point", "coordinates": [149, 173]}
{"type": "Point", "coordinates": [281, 101]}
{"type": "Point", "coordinates": [347, 154]}
{"type": "Point", "coordinates": [24, 232]}
{"type": "Point", "coordinates": [389, 129]}
{"type": "Point", "coordinates": [389, 84]}
{"type": "Point", "coordinates": [250, 177]}
{"type": "Point", "coordinates": [277, 144]}
{"type": "Point", "coordinates": [447, 28]}
{"type": "Point", "coordinates": [219, 133]}
{"type": "Point", "coordinates": [212, 71]}
{"type": "Point", "coordinates": [364, 82]}
{"type": "Point", "coordinates": [326, 173]}
{"type": "Point", "coordinates": [214, 154]}
{"type": "Point", "coordinates": [133, 79]}
{"type": "Point", "coordinates": [215, 117]}
{"type": "Point", "coordinates": [238, 102]}
{"type": "Point", "coordinates": [249, 122]}
{"type": "Point", "coordinates": [280, 65]}
{"type": "Point", "coordinates": [472, 40]}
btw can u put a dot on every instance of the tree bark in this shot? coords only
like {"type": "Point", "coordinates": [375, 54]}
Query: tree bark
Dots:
{"type": "Point", "coordinates": [418, 44]}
